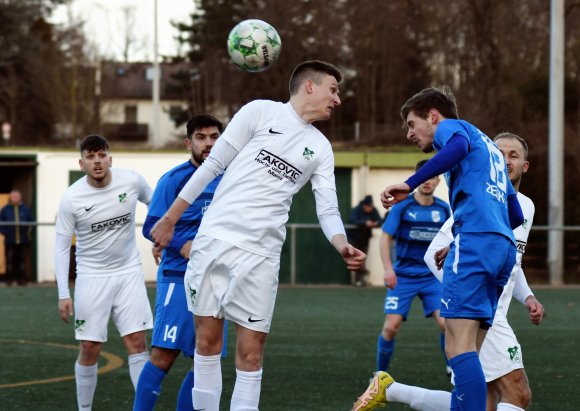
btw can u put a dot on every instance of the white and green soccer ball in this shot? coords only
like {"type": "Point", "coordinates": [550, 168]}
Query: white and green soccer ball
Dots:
{"type": "Point", "coordinates": [254, 45]}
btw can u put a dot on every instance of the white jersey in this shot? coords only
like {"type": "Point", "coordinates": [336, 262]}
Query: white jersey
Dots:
{"type": "Point", "coordinates": [521, 233]}
{"type": "Point", "coordinates": [103, 220]}
{"type": "Point", "coordinates": [278, 153]}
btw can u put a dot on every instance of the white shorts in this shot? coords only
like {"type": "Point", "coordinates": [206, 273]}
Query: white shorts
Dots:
{"type": "Point", "coordinates": [224, 281]}
{"type": "Point", "coordinates": [501, 352]}
{"type": "Point", "coordinates": [122, 297]}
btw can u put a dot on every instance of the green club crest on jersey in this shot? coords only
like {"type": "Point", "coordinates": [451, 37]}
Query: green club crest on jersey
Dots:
{"type": "Point", "coordinates": [79, 324]}
{"type": "Point", "coordinates": [123, 198]}
{"type": "Point", "coordinates": [525, 223]}
{"type": "Point", "coordinates": [514, 353]}
{"type": "Point", "coordinates": [308, 154]}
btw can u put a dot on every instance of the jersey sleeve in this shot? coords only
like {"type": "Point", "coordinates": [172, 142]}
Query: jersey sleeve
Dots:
{"type": "Point", "coordinates": [323, 175]}
{"type": "Point", "coordinates": [144, 190]}
{"type": "Point", "coordinates": [447, 129]}
{"type": "Point", "coordinates": [392, 221]}
{"type": "Point", "coordinates": [65, 218]}
{"type": "Point", "coordinates": [243, 125]}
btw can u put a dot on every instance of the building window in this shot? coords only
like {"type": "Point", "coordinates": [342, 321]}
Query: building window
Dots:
{"type": "Point", "coordinates": [130, 114]}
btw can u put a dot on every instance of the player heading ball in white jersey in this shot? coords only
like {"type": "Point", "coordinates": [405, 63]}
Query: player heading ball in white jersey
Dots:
{"type": "Point", "coordinates": [271, 150]}
{"type": "Point", "coordinates": [100, 210]}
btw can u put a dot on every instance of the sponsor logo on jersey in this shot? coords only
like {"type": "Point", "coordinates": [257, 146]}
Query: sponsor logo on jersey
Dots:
{"type": "Point", "coordinates": [413, 215]}
{"type": "Point", "coordinates": [89, 208]}
{"type": "Point", "coordinates": [435, 216]}
{"type": "Point", "coordinates": [274, 132]}
{"type": "Point", "coordinates": [496, 192]}
{"type": "Point", "coordinates": [278, 167]}
{"type": "Point", "coordinates": [421, 234]}
{"type": "Point", "coordinates": [112, 224]}
{"type": "Point", "coordinates": [521, 246]}
{"type": "Point", "coordinates": [307, 154]}
{"type": "Point", "coordinates": [123, 198]}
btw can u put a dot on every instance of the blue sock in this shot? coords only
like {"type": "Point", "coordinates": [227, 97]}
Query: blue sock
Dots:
{"type": "Point", "coordinates": [184, 398]}
{"type": "Point", "coordinates": [470, 386]}
{"type": "Point", "coordinates": [148, 387]}
{"type": "Point", "coordinates": [384, 352]}
{"type": "Point", "coordinates": [442, 344]}
{"type": "Point", "coordinates": [454, 402]}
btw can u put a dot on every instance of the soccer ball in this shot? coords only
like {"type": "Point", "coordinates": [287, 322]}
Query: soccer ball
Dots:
{"type": "Point", "coordinates": [254, 45]}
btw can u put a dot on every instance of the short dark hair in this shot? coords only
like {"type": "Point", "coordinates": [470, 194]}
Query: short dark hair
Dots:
{"type": "Point", "coordinates": [313, 70]}
{"type": "Point", "coordinates": [420, 164]}
{"type": "Point", "coordinates": [201, 121]}
{"type": "Point", "coordinates": [441, 99]}
{"type": "Point", "coordinates": [506, 134]}
{"type": "Point", "coordinates": [94, 143]}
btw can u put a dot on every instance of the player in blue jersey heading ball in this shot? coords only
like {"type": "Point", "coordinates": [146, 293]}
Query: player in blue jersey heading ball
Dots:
{"type": "Point", "coordinates": [173, 330]}
{"type": "Point", "coordinates": [485, 211]}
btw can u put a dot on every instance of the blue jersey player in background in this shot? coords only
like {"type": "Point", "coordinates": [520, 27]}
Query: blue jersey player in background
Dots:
{"type": "Point", "coordinates": [173, 330]}
{"type": "Point", "coordinates": [412, 224]}
{"type": "Point", "coordinates": [485, 210]}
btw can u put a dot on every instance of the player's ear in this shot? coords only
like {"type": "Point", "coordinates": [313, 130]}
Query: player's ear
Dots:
{"type": "Point", "coordinates": [526, 166]}
{"type": "Point", "coordinates": [309, 86]}
{"type": "Point", "coordinates": [110, 161]}
{"type": "Point", "coordinates": [81, 164]}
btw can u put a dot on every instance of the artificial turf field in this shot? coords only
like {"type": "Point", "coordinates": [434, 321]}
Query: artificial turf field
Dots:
{"type": "Point", "coordinates": [319, 356]}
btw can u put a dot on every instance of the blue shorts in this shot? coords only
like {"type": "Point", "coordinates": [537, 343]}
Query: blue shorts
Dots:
{"type": "Point", "coordinates": [173, 327]}
{"type": "Point", "coordinates": [475, 271]}
{"type": "Point", "coordinates": [399, 300]}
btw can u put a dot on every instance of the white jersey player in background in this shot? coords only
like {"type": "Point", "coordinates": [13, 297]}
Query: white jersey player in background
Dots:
{"type": "Point", "coordinates": [100, 210]}
{"type": "Point", "coordinates": [501, 354]}
{"type": "Point", "coordinates": [271, 150]}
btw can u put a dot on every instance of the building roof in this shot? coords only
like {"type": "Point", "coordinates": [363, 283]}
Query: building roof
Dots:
{"type": "Point", "coordinates": [135, 80]}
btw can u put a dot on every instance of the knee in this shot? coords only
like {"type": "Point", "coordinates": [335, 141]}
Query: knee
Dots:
{"type": "Point", "coordinates": [518, 391]}
{"type": "Point", "coordinates": [89, 352]}
{"type": "Point", "coordinates": [248, 361]}
{"type": "Point", "coordinates": [523, 396]}
{"type": "Point", "coordinates": [391, 330]}
{"type": "Point", "coordinates": [135, 342]}
{"type": "Point", "coordinates": [163, 359]}
{"type": "Point", "coordinates": [208, 346]}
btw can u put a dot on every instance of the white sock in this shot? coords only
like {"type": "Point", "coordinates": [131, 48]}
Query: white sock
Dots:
{"type": "Point", "coordinates": [419, 398]}
{"type": "Point", "coordinates": [207, 389]}
{"type": "Point", "coordinates": [504, 406]}
{"type": "Point", "coordinates": [136, 364]}
{"type": "Point", "coordinates": [86, 379]}
{"type": "Point", "coordinates": [246, 396]}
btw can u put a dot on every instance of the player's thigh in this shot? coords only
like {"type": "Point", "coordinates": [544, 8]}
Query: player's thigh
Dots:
{"type": "Point", "coordinates": [430, 294]}
{"type": "Point", "coordinates": [399, 300]}
{"type": "Point", "coordinates": [93, 301]}
{"type": "Point", "coordinates": [173, 327]}
{"type": "Point", "coordinates": [513, 388]}
{"type": "Point", "coordinates": [131, 311]}
{"type": "Point", "coordinates": [500, 353]}
{"type": "Point", "coordinates": [471, 268]}
{"type": "Point", "coordinates": [251, 296]}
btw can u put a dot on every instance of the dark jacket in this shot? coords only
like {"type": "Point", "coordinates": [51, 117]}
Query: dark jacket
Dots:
{"type": "Point", "coordinates": [16, 213]}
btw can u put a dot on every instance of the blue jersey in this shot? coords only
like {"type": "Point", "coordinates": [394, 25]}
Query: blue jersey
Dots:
{"type": "Point", "coordinates": [169, 185]}
{"type": "Point", "coordinates": [479, 184]}
{"type": "Point", "coordinates": [414, 226]}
